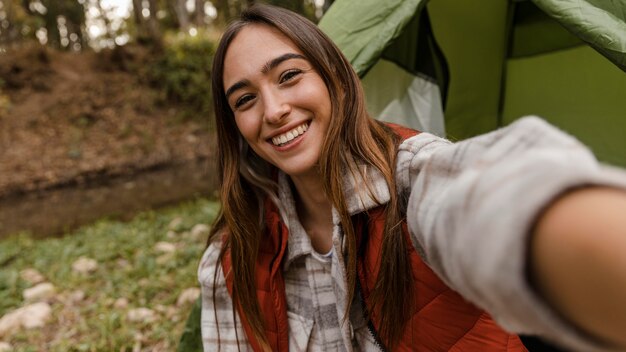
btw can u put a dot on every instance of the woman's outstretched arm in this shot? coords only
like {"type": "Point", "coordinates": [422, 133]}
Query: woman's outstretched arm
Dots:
{"type": "Point", "coordinates": [577, 258]}
{"type": "Point", "coordinates": [472, 212]}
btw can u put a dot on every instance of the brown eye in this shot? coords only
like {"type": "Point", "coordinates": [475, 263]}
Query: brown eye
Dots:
{"type": "Point", "coordinates": [243, 100]}
{"type": "Point", "coordinates": [289, 75]}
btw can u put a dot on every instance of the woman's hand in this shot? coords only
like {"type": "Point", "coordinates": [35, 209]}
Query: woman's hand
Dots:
{"type": "Point", "coordinates": [578, 260]}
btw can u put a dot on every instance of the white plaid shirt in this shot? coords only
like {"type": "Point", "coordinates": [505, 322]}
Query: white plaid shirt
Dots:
{"type": "Point", "coordinates": [470, 209]}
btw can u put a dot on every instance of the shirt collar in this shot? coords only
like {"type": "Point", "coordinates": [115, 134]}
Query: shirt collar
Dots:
{"type": "Point", "coordinates": [359, 197]}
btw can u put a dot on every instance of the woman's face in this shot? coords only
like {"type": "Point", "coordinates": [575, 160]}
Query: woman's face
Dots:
{"type": "Point", "coordinates": [281, 104]}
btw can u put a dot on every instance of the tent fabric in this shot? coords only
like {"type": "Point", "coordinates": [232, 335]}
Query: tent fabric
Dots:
{"type": "Point", "coordinates": [504, 60]}
{"type": "Point", "coordinates": [600, 23]}
{"type": "Point", "coordinates": [387, 39]}
{"type": "Point", "coordinates": [409, 100]}
{"type": "Point", "coordinates": [363, 29]}
{"type": "Point", "coordinates": [371, 25]}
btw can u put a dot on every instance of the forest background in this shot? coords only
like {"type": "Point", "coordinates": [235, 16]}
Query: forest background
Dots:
{"type": "Point", "coordinates": [105, 111]}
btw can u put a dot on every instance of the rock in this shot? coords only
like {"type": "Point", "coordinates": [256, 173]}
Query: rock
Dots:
{"type": "Point", "coordinates": [120, 303]}
{"type": "Point", "coordinates": [141, 315]}
{"type": "Point", "coordinates": [165, 258]}
{"type": "Point", "coordinates": [36, 315]}
{"type": "Point", "coordinates": [84, 265]}
{"type": "Point", "coordinates": [39, 292]}
{"type": "Point", "coordinates": [28, 317]}
{"type": "Point", "coordinates": [165, 247]}
{"type": "Point", "coordinates": [5, 347]}
{"type": "Point", "coordinates": [200, 231]}
{"type": "Point", "coordinates": [32, 276]}
{"type": "Point", "coordinates": [176, 224]}
{"type": "Point", "coordinates": [189, 295]}
{"type": "Point", "coordinates": [123, 264]}
{"type": "Point", "coordinates": [10, 323]}
{"type": "Point", "coordinates": [171, 235]}
{"type": "Point", "coordinates": [77, 296]}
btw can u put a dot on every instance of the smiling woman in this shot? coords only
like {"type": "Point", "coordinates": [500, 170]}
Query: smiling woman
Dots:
{"type": "Point", "coordinates": [340, 232]}
{"type": "Point", "coordinates": [276, 94]}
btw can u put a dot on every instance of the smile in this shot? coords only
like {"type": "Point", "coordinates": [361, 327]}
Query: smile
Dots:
{"type": "Point", "coordinates": [288, 136]}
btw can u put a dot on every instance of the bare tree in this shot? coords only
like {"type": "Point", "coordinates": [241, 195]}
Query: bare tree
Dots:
{"type": "Point", "coordinates": [181, 14]}
{"type": "Point", "coordinates": [153, 22]}
{"type": "Point", "coordinates": [9, 28]}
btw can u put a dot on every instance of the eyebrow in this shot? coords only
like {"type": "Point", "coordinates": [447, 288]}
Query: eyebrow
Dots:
{"type": "Point", "coordinates": [265, 69]}
{"type": "Point", "coordinates": [277, 61]}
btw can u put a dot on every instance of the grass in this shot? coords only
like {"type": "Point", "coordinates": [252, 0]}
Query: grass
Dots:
{"type": "Point", "coordinates": [129, 267]}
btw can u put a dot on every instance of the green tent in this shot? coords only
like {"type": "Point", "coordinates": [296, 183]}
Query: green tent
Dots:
{"type": "Point", "coordinates": [461, 68]}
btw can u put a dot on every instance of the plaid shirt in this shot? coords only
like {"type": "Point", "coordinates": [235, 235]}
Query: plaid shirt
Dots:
{"type": "Point", "coordinates": [459, 223]}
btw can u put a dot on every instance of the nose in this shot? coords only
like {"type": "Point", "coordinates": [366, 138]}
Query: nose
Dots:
{"type": "Point", "coordinates": [276, 108]}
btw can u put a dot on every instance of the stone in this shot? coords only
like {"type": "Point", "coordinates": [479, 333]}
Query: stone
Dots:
{"type": "Point", "coordinates": [39, 292]}
{"type": "Point", "coordinates": [123, 264]}
{"type": "Point", "coordinates": [84, 265]}
{"type": "Point", "coordinates": [176, 224]}
{"type": "Point", "coordinates": [77, 296]}
{"type": "Point", "coordinates": [171, 235]}
{"type": "Point", "coordinates": [10, 323]}
{"type": "Point", "coordinates": [121, 303]}
{"type": "Point", "coordinates": [32, 316]}
{"type": "Point", "coordinates": [165, 247]}
{"type": "Point", "coordinates": [200, 231]}
{"type": "Point", "coordinates": [165, 258]}
{"type": "Point", "coordinates": [189, 295]}
{"type": "Point", "coordinates": [36, 315]}
{"type": "Point", "coordinates": [32, 276]}
{"type": "Point", "coordinates": [141, 315]}
{"type": "Point", "coordinates": [5, 347]}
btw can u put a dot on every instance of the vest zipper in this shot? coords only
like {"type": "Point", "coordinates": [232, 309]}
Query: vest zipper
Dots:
{"type": "Point", "coordinates": [370, 324]}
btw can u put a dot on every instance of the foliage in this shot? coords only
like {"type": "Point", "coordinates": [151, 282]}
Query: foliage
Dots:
{"type": "Point", "coordinates": [62, 21]}
{"type": "Point", "coordinates": [5, 101]}
{"type": "Point", "coordinates": [183, 72]}
{"type": "Point", "coordinates": [129, 267]}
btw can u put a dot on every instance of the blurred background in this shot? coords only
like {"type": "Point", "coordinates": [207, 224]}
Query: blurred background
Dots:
{"type": "Point", "coordinates": [105, 116]}
{"type": "Point", "coordinates": [107, 176]}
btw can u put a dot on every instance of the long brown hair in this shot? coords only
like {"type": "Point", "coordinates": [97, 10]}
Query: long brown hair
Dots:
{"type": "Point", "coordinates": [353, 138]}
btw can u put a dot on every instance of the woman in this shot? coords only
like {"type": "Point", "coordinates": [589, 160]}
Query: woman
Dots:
{"type": "Point", "coordinates": [312, 251]}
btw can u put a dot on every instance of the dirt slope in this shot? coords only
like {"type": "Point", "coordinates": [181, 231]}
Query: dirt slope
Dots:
{"type": "Point", "coordinates": [75, 117]}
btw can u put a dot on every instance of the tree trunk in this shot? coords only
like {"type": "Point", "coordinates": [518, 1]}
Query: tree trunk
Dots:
{"type": "Point", "coordinates": [181, 13]}
{"type": "Point", "coordinates": [153, 23]}
{"type": "Point", "coordinates": [9, 35]}
{"type": "Point", "coordinates": [50, 23]}
{"type": "Point", "coordinates": [139, 22]}
{"type": "Point", "coordinates": [224, 12]}
{"type": "Point", "coordinates": [198, 14]}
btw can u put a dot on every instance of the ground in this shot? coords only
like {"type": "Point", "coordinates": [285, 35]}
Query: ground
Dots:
{"type": "Point", "coordinates": [68, 117]}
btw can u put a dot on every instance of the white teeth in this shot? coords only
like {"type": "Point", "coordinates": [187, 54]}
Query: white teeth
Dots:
{"type": "Point", "coordinates": [290, 135]}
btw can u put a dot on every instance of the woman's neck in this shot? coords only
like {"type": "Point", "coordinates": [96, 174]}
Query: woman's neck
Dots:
{"type": "Point", "coordinates": [314, 211]}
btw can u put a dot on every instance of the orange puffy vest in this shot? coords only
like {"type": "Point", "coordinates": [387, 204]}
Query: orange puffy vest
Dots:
{"type": "Point", "coordinates": [442, 321]}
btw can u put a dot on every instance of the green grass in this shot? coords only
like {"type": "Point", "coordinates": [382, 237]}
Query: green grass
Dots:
{"type": "Point", "coordinates": [129, 267]}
